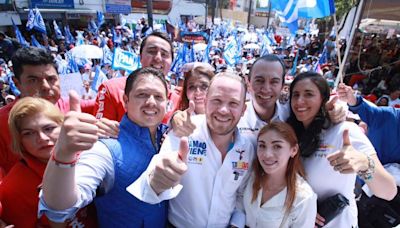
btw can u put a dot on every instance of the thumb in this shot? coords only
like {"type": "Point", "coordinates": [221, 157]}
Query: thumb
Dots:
{"type": "Point", "coordinates": [183, 149]}
{"type": "Point", "coordinates": [74, 101]}
{"type": "Point", "coordinates": [191, 108]}
{"type": "Point", "coordinates": [331, 103]}
{"type": "Point", "coordinates": [346, 138]}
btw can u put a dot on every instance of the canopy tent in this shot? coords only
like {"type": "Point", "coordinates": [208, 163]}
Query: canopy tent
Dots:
{"type": "Point", "coordinates": [382, 9]}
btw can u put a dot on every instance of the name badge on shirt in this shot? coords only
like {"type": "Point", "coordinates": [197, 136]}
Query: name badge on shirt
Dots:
{"type": "Point", "coordinates": [239, 167]}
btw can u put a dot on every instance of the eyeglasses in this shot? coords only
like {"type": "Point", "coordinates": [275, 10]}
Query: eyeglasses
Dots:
{"type": "Point", "coordinates": [201, 88]}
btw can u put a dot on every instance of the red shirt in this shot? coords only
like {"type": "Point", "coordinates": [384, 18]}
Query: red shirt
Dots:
{"type": "Point", "coordinates": [7, 157]}
{"type": "Point", "coordinates": [19, 196]}
{"type": "Point", "coordinates": [110, 103]}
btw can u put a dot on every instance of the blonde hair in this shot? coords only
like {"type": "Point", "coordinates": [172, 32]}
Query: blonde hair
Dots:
{"type": "Point", "coordinates": [27, 107]}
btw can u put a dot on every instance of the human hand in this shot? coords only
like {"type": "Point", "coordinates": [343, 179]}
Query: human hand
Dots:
{"type": "Point", "coordinates": [319, 221]}
{"type": "Point", "coordinates": [78, 132]}
{"type": "Point", "coordinates": [107, 128]}
{"type": "Point", "coordinates": [346, 94]}
{"type": "Point", "coordinates": [337, 112]}
{"type": "Point", "coordinates": [169, 168]}
{"type": "Point", "coordinates": [348, 160]}
{"type": "Point", "coordinates": [181, 122]}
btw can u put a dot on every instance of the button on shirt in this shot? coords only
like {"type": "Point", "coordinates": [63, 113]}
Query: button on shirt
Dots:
{"type": "Point", "coordinates": [212, 188]}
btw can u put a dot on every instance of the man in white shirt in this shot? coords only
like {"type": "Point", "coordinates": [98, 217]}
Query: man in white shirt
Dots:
{"type": "Point", "coordinates": [212, 169]}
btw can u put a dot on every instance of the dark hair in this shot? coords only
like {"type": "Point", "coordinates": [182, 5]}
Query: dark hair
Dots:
{"type": "Point", "coordinates": [309, 139]}
{"type": "Point", "coordinates": [200, 70]}
{"type": "Point", "coordinates": [161, 35]}
{"type": "Point", "coordinates": [31, 56]}
{"type": "Point", "coordinates": [294, 166]}
{"type": "Point", "coordinates": [135, 75]}
{"type": "Point", "coordinates": [270, 58]}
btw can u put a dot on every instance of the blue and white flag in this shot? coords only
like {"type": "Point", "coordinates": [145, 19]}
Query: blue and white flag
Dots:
{"type": "Point", "coordinates": [95, 84]}
{"type": "Point", "coordinates": [293, 71]}
{"type": "Point", "coordinates": [57, 30]}
{"type": "Point", "coordinates": [79, 38]}
{"type": "Point", "coordinates": [316, 8]}
{"type": "Point", "coordinates": [107, 55]}
{"type": "Point", "coordinates": [12, 85]}
{"type": "Point", "coordinates": [31, 19]}
{"type": "Point", "coordinates": [179, 61]}
{"type": "Point", "coordinates": [69, 38]}
{"type": "Point", "coordinates": [92, 26]}
{"type": "Point", "coordinates": [100, 18]}
{"type": "Point", "coordinates": [19, 36]}
{"type": "Point", "coordinates": [72, 65]}
{"type": "Point", "coordinates": [124, 60]}
{"type": "Point", "coordinates": [35, 42]}
{"type": "Point", "coordinates": [35, 21]}
{"type": "Point", "coordinates": [230, 52]}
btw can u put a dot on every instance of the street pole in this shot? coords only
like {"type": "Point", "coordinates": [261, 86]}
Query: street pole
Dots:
{"type": "Point", "coordinates": [213, 6]}
{"type": "Point", "coordinates": [249, 14]}
{"type": "Point", "coordinates": [269, 13]}
{"type": "Point", "coordinates": [150, 13]}
{"type": "Point", "coordinates": [206, 13]}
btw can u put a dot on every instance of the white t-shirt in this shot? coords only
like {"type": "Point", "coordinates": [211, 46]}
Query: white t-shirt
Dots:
{"type": "Point", "coordinates": [325, 181]}
{"type": "Point", "coordinates": [272, 213]}
{"type": "Point", "coordinates": [394, 103]}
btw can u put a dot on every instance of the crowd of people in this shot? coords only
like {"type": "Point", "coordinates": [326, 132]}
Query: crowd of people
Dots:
{"type": "Point", "coordinates": [212, 144]}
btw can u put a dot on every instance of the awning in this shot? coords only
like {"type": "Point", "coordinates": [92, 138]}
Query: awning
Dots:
{"type": "Point", "coordinates": [6, 18]}
{"type": "Point", "coordinates": [382, 9]}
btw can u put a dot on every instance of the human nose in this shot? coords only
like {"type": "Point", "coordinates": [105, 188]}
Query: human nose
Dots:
{"type": "Point", "coordinates": [224, 109]}
{"type": "Point", "coordinates": [151, 100]}
{"type": "Point", "coordinates": [45, 84]}
{"type": "Point", "coordinates": [41, 136]}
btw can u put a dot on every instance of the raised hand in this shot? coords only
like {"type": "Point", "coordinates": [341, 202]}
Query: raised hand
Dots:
{"type": "Point", "coordinates": [346, 94]}
{"type": "Point", "coordinates": [78, 132]}
{"type": "Point", "coordinates": [348, 160]}
{"type": "Point", "coordinates": [337, 111]}
{"type": "Point", "coordinates": [181, 122]}
{"type": "Point", "coordinates": [169, 168]}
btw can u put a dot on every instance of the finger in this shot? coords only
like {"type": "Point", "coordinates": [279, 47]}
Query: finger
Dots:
{"type": "Point", "coordinates": [331, 103]}
{"type": "Point", "coordinates": [183, 149]}
{"type": "Point", "coordinates": [191, 108]}
{"type": "Point", "coordinates": [74, 101]}
{"type": "Point", "coordinates": [320, 218]}
{"type": "Point", "coordinates": [346, 138]}
{"type": "Point", "coordinates": [87, 118]}
{"type": "Point", "coordinates": [333, 156]}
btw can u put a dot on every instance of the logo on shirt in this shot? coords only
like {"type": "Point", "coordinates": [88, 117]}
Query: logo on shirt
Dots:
{"type": "Point", "coordinates": [197, 151]}
{"type": "Point", "coordinates": [323, 148]}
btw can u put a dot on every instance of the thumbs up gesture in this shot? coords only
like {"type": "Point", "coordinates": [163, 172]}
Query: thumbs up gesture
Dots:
{"type": "Point", "coordinates": [78, 132]}
{"type": "Point", "coordinates": [181, 122]}
{"type": "Point", "coordinates": [348, 160]}
{"type": "Point", "coordinates": [169, 168]}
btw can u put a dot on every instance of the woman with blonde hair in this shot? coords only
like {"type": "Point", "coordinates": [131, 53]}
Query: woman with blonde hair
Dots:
{"type": "Point", "coordinates": [277, 194]}
{"type": "Point", "coordinates": [34, 126]}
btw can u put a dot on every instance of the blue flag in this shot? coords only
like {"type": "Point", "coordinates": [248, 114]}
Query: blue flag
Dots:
{"type": "Point", "coordinates": [100, 18]}
{"type": "Point", "coordinates": [72, 65]}
{"type": "Point", "coordinates": [192, 54]}
{"type": "Point", "coordinates": [13, 87]}
{"type": "Point", "coordinates": [293, 71]}
{"type": "Point", "coordinates": [31, 19]}
{"type": "Point", "coordinates": [316, 8]}
{"type": "Point", "coordinates": [79, 38]}
{"type": "Point", "coordinates": [57, 30]}
{"type": "Point", "coordinates": [96, 78]}
{"type": "Point", "coordinates": [19, 36]}
{"type": "Point", "coordinates": [92, 26]}
{"type": "Point", "coordinates": [35, 42]}
{"type": "Point", "coordinates": [230, 52]}
{"type": "Point", "coordinates": [68, 35]}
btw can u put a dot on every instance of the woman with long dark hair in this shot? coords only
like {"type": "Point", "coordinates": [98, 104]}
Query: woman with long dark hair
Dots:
{"type": "Point", "coordinates": [333, 154]}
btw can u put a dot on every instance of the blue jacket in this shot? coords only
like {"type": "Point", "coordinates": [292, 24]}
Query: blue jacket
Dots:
{"type": "Point", "coordinates": [383, 129]}
{"type": "Point", "coordinates": [131, 154]}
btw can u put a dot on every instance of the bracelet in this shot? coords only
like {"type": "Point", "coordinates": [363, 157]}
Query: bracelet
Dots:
{"type": "Point", "coordinates": [366, 175]}
{"type": "Point", "coordinates": [62, 164]}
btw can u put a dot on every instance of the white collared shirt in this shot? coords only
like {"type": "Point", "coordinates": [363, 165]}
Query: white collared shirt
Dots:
{"type": "Point", "coordinates": [250, 123]}
{"type": "Point", "coordinates": [212, 188]}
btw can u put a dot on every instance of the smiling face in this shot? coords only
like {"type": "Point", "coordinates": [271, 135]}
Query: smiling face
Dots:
{"type": "Point", "coordinates": [224, 105]}
{"type": "Point", "coordinates": [274, 152]}
{"type": "Point", "coordinates": [38, 135]}
{"type": "Point", "coordinates": [306, 101]}
{"type": "Point", "coordinates": [197, 87]}
{"type": "Point", "coordinates": [157, 54]}
{"type": "Point", "coordinates": [147, 101]}
{"type": "Point", "coordinates": [265, 84]}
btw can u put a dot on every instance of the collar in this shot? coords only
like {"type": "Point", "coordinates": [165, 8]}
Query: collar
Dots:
{"type": "Point", "coordinates": [33, 163]}
{"type": "Point", "coordinates": [281, 114]}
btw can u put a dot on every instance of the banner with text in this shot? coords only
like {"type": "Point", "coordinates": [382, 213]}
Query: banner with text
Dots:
{"type": "Point", "coordinates": [125, 60]}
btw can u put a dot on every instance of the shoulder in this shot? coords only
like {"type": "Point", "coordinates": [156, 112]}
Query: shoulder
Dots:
{"type": "Point", "coordinates": [115, 82]}
{"type": "Point", "coordinates": [304, 192]}
{"type": "Point", "coordinates": [5, 111]}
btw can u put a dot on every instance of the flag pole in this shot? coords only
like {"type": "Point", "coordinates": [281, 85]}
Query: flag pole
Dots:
{"type": "Point", "coordinates": [339, 77]}
{"type": "Point", "coordinates": [337, 43]}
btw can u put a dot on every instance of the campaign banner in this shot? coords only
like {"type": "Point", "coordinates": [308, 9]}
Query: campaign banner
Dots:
{"type": "Point", "coordinates": [124, 60]}
{"type": "Point", "coordinates": [118, 6]}
{"type": "Point", "coordinates": [52, 4]}
{"type": "Point", "coordinates": [69, 82]}
{"type": "Point", "coordinates": [194, 37]}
